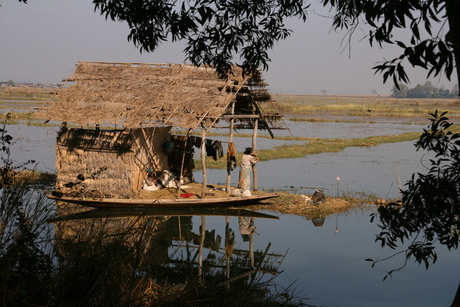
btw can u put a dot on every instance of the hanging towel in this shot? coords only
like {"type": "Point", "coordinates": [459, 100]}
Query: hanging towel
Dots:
{"type": "Point", "coordinates": [218, 150]}
{"type": "Point", "coordinates": [231, 151]}
{"type": "Point", "coordinates": [231, 155]}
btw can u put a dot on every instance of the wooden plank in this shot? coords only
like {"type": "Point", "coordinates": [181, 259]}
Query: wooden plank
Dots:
{"type": "Point", "coordinates": [238, 116]}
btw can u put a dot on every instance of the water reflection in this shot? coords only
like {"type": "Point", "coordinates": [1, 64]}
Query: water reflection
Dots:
{"type": "Point", "coordinates": [232, 249]}
{"type": "Point", "coordinates": [175, 250]}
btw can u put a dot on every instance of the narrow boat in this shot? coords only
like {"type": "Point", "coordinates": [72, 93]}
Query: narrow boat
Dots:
{"type": "Point", "coordinates": [120, 213]}
{"type": "Point", "coordinates": [218, 202]}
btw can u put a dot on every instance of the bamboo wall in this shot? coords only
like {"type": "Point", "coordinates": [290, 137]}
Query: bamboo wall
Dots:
{"type": "Point", "coordinates": [108, 163]}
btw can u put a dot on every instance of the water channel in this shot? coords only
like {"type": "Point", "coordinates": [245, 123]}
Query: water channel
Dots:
{"type": "Point", "coordinates": [326, 263]}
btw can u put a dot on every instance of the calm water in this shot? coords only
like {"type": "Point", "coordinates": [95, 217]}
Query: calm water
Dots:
{"type": "Point", "coordinates": [330, 266]}
{"type": "Point", "coordinates": [377, 170]}
{"type": "Point", "coordinates": [326, 266]}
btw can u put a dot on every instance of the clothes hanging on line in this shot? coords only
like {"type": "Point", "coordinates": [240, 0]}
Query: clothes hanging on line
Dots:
{"type": "Point", "coordinates": [214, 149]}
{"type": "Point", "coordinates": [196, 141]}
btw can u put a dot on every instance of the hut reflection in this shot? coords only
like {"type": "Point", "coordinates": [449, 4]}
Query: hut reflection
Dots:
{"type": "Point", "coordinates": [166, 247]}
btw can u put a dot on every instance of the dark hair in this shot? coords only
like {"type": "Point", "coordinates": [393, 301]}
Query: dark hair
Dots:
{"type": "Point", "coordinates": [248, 150]}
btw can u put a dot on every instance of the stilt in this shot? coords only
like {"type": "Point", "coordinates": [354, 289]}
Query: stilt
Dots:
{"type": "Point", "coordinates": [229, 163]}
{"type": "Point", "coordinates": [255, 185]}
{"type": "Point", "coordinates": [203, 162]}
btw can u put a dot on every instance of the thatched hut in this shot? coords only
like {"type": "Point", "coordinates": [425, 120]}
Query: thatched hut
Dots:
{"type": "Point", "coordinates": [123, 115]}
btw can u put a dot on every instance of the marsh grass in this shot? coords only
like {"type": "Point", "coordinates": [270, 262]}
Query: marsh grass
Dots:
{"type": "Point", "coordinates": [316, 146]}
{"type": "Point", "coordinates": [294, 204]}
{"type": "Point", "coordinates": [35, 177]}
{"type": "Point", "coordinates": [25, 94]}
{"type": "Point", "coordinates": [17, 116]}
{"type": "Point", "coordinates": [369, 106]}
{"type": "Point", "coordinates": [323, 120]}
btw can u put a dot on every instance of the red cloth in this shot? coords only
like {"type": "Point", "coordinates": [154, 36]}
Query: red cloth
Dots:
{"type": "Point", "coordinates": [187, 195]}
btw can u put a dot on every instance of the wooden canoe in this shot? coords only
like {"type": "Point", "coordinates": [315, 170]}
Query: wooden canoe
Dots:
{"type": "Point", "coordinates": [235, 201]}
{"type": "Point", "coordinates": [136, 212]}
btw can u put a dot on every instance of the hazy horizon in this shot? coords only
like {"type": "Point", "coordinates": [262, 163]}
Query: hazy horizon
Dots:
{"type": "Point", "coordinates": [42, 42]}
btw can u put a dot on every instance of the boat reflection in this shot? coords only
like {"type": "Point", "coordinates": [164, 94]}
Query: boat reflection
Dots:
{"type": "Point", "coordinates": [144, 212]}
{"type": "Point", "coordinates": [166, 248]}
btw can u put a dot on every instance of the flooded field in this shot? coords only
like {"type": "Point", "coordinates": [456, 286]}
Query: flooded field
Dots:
{"type": "Point", "coordinates": [377, 170]}
{"type": "Point", "coordinates": [325, 263]}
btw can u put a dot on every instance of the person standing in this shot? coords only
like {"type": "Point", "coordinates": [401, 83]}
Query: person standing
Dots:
{"type": "Point", "coordinates": [247, 162]}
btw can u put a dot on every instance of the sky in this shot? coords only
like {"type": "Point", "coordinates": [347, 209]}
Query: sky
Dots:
{"type": "Point", "coordinates": [43, 40]}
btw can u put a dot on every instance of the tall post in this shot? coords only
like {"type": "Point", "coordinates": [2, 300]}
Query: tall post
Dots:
{"type": "Point", "coordinates": [186, 147]}
{"type": "Point", "coordinates": [229, 163]}
{"type": "Point", "coordinates": [203, 162]}
{"type": "Point", "coordinates": [255, 185]}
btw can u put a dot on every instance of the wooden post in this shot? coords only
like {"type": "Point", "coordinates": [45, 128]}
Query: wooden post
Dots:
{"type": "Point", "coordinates": [255, 185]}
{"type": "Point", "coordinates": [203, 162]}
{"type": "Point", "coordinates": [229, 163]}
{"type": "Point", "coordinates": [186, 147]}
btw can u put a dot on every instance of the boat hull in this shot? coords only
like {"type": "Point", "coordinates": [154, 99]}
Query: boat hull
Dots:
{"type": "Point", "coordinates": [167, 203]}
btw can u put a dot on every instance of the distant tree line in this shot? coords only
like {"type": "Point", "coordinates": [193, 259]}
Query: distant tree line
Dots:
{"type": "Point", "coordinates": [428, 90]}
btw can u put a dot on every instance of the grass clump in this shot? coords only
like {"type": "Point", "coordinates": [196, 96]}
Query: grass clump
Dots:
{"type": "Point", "coordinates": [295, 204]}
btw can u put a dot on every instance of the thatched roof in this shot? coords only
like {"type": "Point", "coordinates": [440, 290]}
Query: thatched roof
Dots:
{"type": "Point", "coordinates": [133, 95]}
